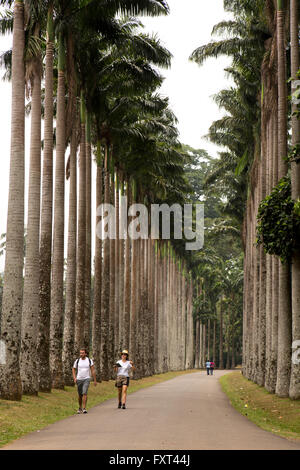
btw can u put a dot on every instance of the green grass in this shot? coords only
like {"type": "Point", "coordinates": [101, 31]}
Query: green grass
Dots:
{"type": "Point", "coordinates": [18, 418]}
{"type": "Point", "coordinates": [277, 415]}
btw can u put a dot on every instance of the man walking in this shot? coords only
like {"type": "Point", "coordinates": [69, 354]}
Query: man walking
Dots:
{"type": "Point", "coordinates": [84, 365]}
{"type": "Point", "coordinates": [207, 365]}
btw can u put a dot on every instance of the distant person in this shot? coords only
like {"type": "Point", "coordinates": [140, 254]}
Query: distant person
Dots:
{"type": "Point", "coordinates": [122, 367]}
{"type": "Point", "coordinates": [81, 375]}
{"type": "Point", "coordinates": [212, 366]}
{"type": "Point", "coordinates": [207, 365]}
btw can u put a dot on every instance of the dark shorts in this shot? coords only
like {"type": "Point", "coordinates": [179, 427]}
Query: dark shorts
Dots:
{"type": "Point", "coordinates": [82, 386]}
{"type": "Point", "coordinates": [122, 380]}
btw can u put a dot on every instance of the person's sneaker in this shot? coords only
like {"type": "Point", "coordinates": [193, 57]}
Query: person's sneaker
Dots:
{"type": "Point", "coordinates": [79, 411]}
{"type": "Point", "coordinates": [84, 411]}
{"type": "Point", "coordinates": [120, 405]}
{"type": "Point", "coordinates": [123, 407]}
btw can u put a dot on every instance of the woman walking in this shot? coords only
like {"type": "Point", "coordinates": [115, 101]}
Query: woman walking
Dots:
{"type": "Point", "coordinates": [122, 367]}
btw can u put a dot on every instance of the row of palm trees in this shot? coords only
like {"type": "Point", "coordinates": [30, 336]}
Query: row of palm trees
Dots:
{"type": "Point", "coordinates": [218, 313]}
{"type": "Point", "coordinates": [263, 43]}
{"type": "Point", "coordinates": [99, 94]}
{"type": "Point", "coordinates": [217, 270]}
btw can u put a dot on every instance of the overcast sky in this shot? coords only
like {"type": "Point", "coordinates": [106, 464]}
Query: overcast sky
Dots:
{"type": "Point", "coordinates": [188, 86]}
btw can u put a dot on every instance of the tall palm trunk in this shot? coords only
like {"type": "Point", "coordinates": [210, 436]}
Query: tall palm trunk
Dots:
{"type": "Point", "coordinates": [255, 360]}
{"type": "Point", "coordinates": [147, 319]}
{"type": "Point", "coordinates": [252, 293]}
{"type": "Point", "coordinates": [46, 218]}
{"type": "Point", "coordinates": [127, 280]}
{"type": "Point", "coordinates": [81, 241]}
{"type": "Point", "coordinates": [161, 293]}
{"type": "Point", "coordinates": [133, 296]}
{"type": "Point", "coordinates": [261, 331]}
{"type": "Point", "coordinates": [121, 268]}
{"type": "Point", "coordinates": [155, 313]}
{"type": "Point", "coordinates": [88, 227]}
{"type": "Point", "coordinates": [190, 317]}
{"type": "Point", "coordinates": [294, 390]}
{"type": "Point", "coordinates": [246, 297]}
{"type": "Point", "coordinates": [168, 307]}
{"type": "Point", "coordinates": [208, 339]}
{"type": "Point", "coordinates": [69, 319]}
{"type": "Point", "coordinates": [232, 348]}
{"type": "Point", "coordinates": [140, 308]}
{"type": "Point", "coordinates": [112, 278]}
{"type": "Point", "coordinates": [151, 305]}
{"type": "Point", "coordinates": [275, 274]}
{"type": "Point", "coordinates": [214, 340]}
{"type": "Point", "coordinates": [284, 311]}
{"type": "Point", "coordinates": [166, 302]}
{"type": "Point", "coordinates": [204, 342]}
{"type": "Point", "coordinates": [221, 359]}
{"type": "Point", "coordinates": [250, 289]}
{"type": "Point", "coordinates": [105, 372]}
{"type": "Point", "coordinates": [271, 285]}
{"type": "Point", "coordinates": [160, 306]}
{"type": "Point", "coordinates": [183, 318]}
{"type": "Point", "coordinates": [56, 323]}
{"type": "Point", "coordinates": [201, 346]}
{"type": "Point", "coordinates": [117, 323]}
{"type": "Point", "coordinates": [96, 335]}
{"type": "Point", "coordinates": [228, 348]}
{"type": "Point", "coordinates": [10, 381]}
{"type": "Point", "coordinates": [29, 359]}
{"type": "Point", "coordinates": [197, 343]}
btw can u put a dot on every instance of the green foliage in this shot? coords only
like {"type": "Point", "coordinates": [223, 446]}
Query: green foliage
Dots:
{"type": "Point", "coordinates": [294, 97]}
{"type": "Point", "coordinates": [294, 154]}
{"type": "Point", "coordinates": [2, 243]}
{"type": "Point", "coordinates": [278, 218]}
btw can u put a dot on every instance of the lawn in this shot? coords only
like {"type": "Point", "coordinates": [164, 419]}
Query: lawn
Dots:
{"type": "Point", "coordinates": [281, 416]}
{"type": "Point", "coordinates": [34, 413]}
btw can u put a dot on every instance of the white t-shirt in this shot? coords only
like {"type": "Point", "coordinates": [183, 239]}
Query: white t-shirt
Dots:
{"type": "Point", "coordinates": [83, 370]}
{"type": "Point", "coordinates": [124, 369]}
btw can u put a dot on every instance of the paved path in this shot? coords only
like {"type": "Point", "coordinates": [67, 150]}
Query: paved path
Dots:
{"type": "Point", "coordinates": [188, 412]}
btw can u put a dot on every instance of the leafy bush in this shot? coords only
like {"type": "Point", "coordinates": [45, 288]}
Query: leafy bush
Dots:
{"type": "Point", "coordinates": [278, 218]}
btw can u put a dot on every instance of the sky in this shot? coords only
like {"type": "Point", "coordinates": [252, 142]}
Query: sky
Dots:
{"type": "Point", "coordinates": [189, 87]}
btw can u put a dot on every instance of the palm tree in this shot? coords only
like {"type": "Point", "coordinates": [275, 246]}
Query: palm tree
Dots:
{"type": "Point", "coordinates": [10, 380]}
{"type": "Point", "coordinates": [105, 372]}
{"type": "Point", "coordinates": [81, 241]}
{"type": "Point", "coordinates": [127, 277]}
{"type": "Point", "coordinates": [133, 286]}
{"type": "Point", "coordinates": [249, 34]}
{"type": "Point", "coordinates": [284, 311]}
{"type": "Point", "coordinates": [117, 267]}
{"type": "Point", "coordinates": [46, 216]}
{"type": "Point", "coordinates": [121, 273]}
{"type": "Point", "coordinates": [221, 363]}
{"type": "Point", "coordinates": [96, 320]}
{"type": "Point", "coordinates": [28, 358]}
{"type": "Point", "coordinates": [112, 276]}
{"type": "Point", "coordinates": [294, 391]}
{"type": "Point", "coordinates": [87, 312]}
{"type": "Point", "coordinates": [69, 317]}
{"type": "Point", "coordinates": [56, 319]}
{"type": "Point", "coordinates": [261, 331]}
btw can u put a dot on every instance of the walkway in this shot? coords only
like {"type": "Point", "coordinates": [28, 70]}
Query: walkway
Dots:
{"type": "Point", "coordinates": [188, 412]}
